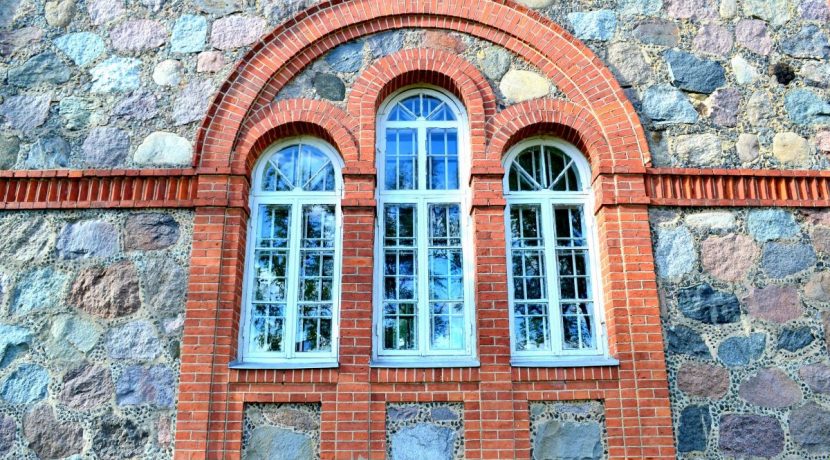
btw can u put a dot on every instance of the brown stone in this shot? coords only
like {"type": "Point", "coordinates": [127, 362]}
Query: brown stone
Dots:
{"type": "Point", "coordinates": [150, 231]}
{"type": "Point", "coordinates": [818, 217]}
{"type": "Point", "coordinates": [821, 238]}
{"type": "Point", "coordinates": [770, 388]}
{"type": "Point", "coordinates": [705, 380]}
{"type": "Point", "coordinates": [443, 40]}
{"type": "Point", "coordinates": [110, 292]}
{"type": "Point", "coordinates": [50, 438]}
{"type": "Point", "coordinates": [292, 418]}
{"type": "Point", "coordinates": [729, 257]}
{"type": "Point", "coordinates": [818, 287]}
{"type": "Point", "coordinates": [86, 387]}
{"type": "Point", "coordinates": [817, 377]}
{"type": "Point", "coordinates": [774, 303]}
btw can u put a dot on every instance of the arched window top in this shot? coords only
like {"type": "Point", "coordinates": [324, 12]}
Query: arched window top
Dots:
{"type": "Point", "coordinates": [300, 165]}
{"type": "Point", "coordinates": [423, 106]}
{"type": "Point", "coordinates": [546, 165]}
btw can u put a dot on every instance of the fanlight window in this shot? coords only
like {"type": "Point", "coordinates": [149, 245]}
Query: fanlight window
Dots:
{"type": "Point", "coordinates": [294, 259]}
{"type": "Point", "coordinates": [554, 313]}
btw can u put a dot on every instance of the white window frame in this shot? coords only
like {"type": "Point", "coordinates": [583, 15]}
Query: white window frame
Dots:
{"type": "Point", "coordinates": [289, 358]}
{"type": "Point", "coordinates": [546, 200]}
{"type": "Point", "coordinates": [422, 357]}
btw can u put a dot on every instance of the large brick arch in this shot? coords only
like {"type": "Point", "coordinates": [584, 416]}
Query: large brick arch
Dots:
{"type": "Point", "coordinates": [280, 55]}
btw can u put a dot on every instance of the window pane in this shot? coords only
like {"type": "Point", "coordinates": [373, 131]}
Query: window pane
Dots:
{"type": "Point", "coordinates": [267, 322]}
{"type": "Point", "coordinates": [531, 327]}
{"type": "Point", "coordinates": [578, 326]}
{"type": "Point", "coordinates": [399, 332]}
{"type": "Point", "coordinates": [316, 275]}
{"type": "Point", "coordinates": [298, 167]}
{"type": "Point", "coordinates": [574, 279]}
{"type": "Point", "coordinates": [399, 225]}
{"type": "Point", "coordinates": [446, 278]}
{"type": "Point", "coordinates": [442, 159]}
{"type": "Point", "coordinates": [401, 159]}
{"type": "Point", "coordinates": [543, 168]}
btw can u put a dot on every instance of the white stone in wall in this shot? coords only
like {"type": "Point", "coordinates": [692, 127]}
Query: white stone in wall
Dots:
{"type": "Point", "coordinates": [790, 148]}
{"type": "Point", "coordinates": [161, 148]}
{"type": "Point", "coordinates": [523, 85]}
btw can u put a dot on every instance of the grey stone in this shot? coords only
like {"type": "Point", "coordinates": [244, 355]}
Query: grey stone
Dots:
{"type": "Point", "coordinates": [805, 108]}
{"type": "Point", "coordinates": [106, 147]}
{"type": "Point", "coordinates": [747, 147]}
{"type": "Point", "coordinates": [772, 388]}
{"type": "Point", "coordinates": [59, 13]}
{"type": "Point", "coordinates": [108, 293]}
{"type": "Point", "coordinates": [219, 7]}
{"type": "Point", "coordinates": [8, 9]}
{"type": "Point", "coordinates": [684, 340]}
{"type": "Point", "coordinates": [141, 106]}
{"type": "Point", "coordinates": [116, 75]}
{"type": "Point", "coordinates": [50, 438]}
{"type": "Point", "coordinates": [441, 414]}
{"type": "Point", "coordinates": [795, 339]}
{"type": "Point", "coordinates": [265, 441]}
{"type": "Point", "coordinates": [71, 337]}
{"type": "Point", "coordinates": [816, 74]}
{"type": "Point", "coordinates": [165, 285]}
{"type": "Point", "coordinates": [329, 86]}
{"type": "Point", "coordinates": [629, 8]}
{"type": "Point", "coordinates": [19, 40]}
{"type": "Point", "coordinates": [817, 377]}
{"type": "Point", "coordinates": [694, 428]}
{"type": "Point", "coordinates": [494, 62]}
{"type": "Point", "coordinates": [692, 73]}
{"type": "Point", "coordinates": [594, 25]}
{"type": "Point", "coordinates": [189, 34]}
{"type": "Point", "coordinates": [117, 438]}
{"type": "Point", "coordinates": [713, 39]}
{"type": "Point", "coordinates": [153, 385]}
{"type": "Point", "coordinates": [346, 58]}
{"type": "Point", "coordinates": [421, 442]}
{"type": "Point", "coordinates": [776, 12]}
{"type": "Point", "coordinates": [657, 32]}
{"type": "Point", "coordinates": [168, 73]}
{"type": "Point", "coordinates": [699, 149]}
{"type": "Point", "coordinates": [153, 5]}
{"type": "Point", "coordinates": [43, 69]}
{"type": "Point", "coordinates": [691, 9]}
{"type": "Point", "coordinates": [745, 435]}
{"type": "Point", "coordinates": [703, 379]}
{"type": "Point", "coordinates": [138, 35]}
{"type": "Point", "coordinates": [401, 413]}
{"type": "Point", "coordinates": [26, 384]}
{"type": "Point", "coordinates": [87, 239]}
{"type": "Point", "coordinates": [709, 306]}
{"type": "Point", "coordinates": [161, 148]}
{"type": "Point", "coordinates": [558, 439]}
{"type": "Point", "coordinates": [815, 10]}
{"type": "Point", "coordinates": [150, 231]}
{"type": "Point", "coordinates": [711, 220]}
{"type": "Point", "coordinates": [38, 289]}
{"type": "Point", "coordinates": [745, 73]}
{"type": "Point", "coordinates": [818, 286]}
{"type": "Point", "coordinates": [771, 224]}
{"type": "Point", "coordinates": [26, 112]}
{"type": "Point", "coordinates": [48, 153]}
{"type": "Point", "coordinates": [810, 428]}
{"type": "Point", "coordinates": [104, 11]}
{"type": "Point", "coordinates": [193, 102]}
{"type": "Point", "coordinates": [81, 47]}
{"type": "Point", "coordinates": [236, 31]}
{"type": "Point", "coordinates": [137, 340]}
{"type": "Point", "coordinates": [8, 433]}
{"type": "Point", "coordinates": [779, 260]}
{"type": "Point", "coordinates": [740, 351]}
{"type": "Point", "coordinates": [723, 107]}
{"type": "Point", "coordinates": [810, 42]}
{"type": "Point", "coordinates": [753, 35]}
{"type": "Point", "coordinates": [292, 418]}
{"type": "Point", "coordinates": [13, 341]}
{"type": "Point", "coordinates": [386, 43]}
{"type": "Point", "coordinates": [674, 252]}
{"type": "Point", "coordinates": [665, 105]}
{"type": "Point", "coordinates": [86, 387]}
{"type": "Point", "coordinates": [75, 112]}
{"type": "Point", "coordinates": [26, 240]}
{"type": "Point", "coordinates": [9, 148]}
{"type": "Point", "coordinates": [628, 61]}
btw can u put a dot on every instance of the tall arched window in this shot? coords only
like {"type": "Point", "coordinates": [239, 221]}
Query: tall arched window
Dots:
{"type": "Point", "coordinates": [555, 317]}
{"type": "Point", "coordinates": [293, 265]}
{"type": "Point", "coordinates": [423, 287]}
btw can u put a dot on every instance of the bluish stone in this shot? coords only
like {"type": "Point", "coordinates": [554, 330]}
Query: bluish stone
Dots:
{"type": "Point", "coordinates": [709, 306]}
{"type": "Point", "coordinates": [26, 384]}
{"type": "Point", "coordinates": [639, 7]}
{"type": "Point", "coordinates": [658, 32]}
{"type": "Point", "coordinates": [106, 147]}
{"type": "Point", "coordinates": [780, 260]}
{"type": "Point", "coordinates": [694, 74]}
{"type": "Point", "coordinates": [423, 441]}
{"type": "Point", "coordinates": [665, 105]}
{"type": "Point", "coordinates": [137, 341]}
{"type": "Point", "coordinates": [805, 108]}
{"type": "Point", "coordinates": [13, 340]}
{"type": "Point", "coordinates": [810, 428]}
{"type": "Point", "coordinates": [740, 351]}
{"type": "Point", "coordinates": [45, 68]}
{"type": "Point", "coordinates": [193, 101]}
{"type": "Point", "coordinates": [693, 430]}
{"type": "Point", "coordinates": [116, 75]}
{"type": "Point", "coordinates": [266, 441]}
{"type": "Point", "coordinates": [75, 112]}
{"type": "Point", "coordinates": [684, 340]}
{"type": "Point", "coordinates": [594, 25]}
{"type": "Point", "coordinates": [561, 440]}
{"type": "Point", "coordinates": [38, 289]}
{"type": "Point", "coordinates": [810, 42]}
{"type": "Point", "coordinates": [87, 239]}
{"type": "Point", "coordinates": [750, 435]}
{"type": "Point", "coordinates": [674, 253]}
{"type": "Point", "coordinates": [50, 152]}
{"type": "Point", "coordinates": [442, 414]}
{"type": "Point", "coordinates": [771, 224]}
{"type": "Point", "coordinates": [189, 34]}
{"type": "Point", "coordinates": [795, 339]}
{"type": "Point", "coordinates": [346, 58]}
{"type": "Point", "coordinates": [81, 47]}
{"type": "Point", "coordinates": [329, 86]}
{"type": "Point", "coordinates": [385, 43]}
{"type": "Point", "coordinates": [154, 385]}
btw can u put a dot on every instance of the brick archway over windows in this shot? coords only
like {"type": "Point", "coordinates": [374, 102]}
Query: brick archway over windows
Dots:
{"type": "Point", "coordinates": [597, 117]}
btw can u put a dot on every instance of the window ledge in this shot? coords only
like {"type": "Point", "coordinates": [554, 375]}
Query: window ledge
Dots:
{"type": "Point", "coordinates": [580, 361]}
{"type": "Point", "coordinates": [424, 363]}
{"type": "Point", "coordinates": [241, 365]}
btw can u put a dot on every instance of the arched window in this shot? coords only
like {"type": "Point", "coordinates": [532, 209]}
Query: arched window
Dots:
{"type": "Point", "coordinates": [423, 287]}
{"type": "Point", "coordinates": [293, 265]}
{"type": "Point", "coordinates": [552, 255]}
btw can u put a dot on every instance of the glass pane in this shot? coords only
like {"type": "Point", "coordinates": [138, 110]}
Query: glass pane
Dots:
{"type": "Point", "coordinates": [543, 168]}
{"type": "Point", "coordinates": [299, 167]}
{"type": "Point", "coordinates": [525, 226]}
{"type": "Point", "coordinates": [442, 159]}
{"type": "Point", "coordinates": [578, 326]}
{"type": "Point", "coordinates": [399, 225]}
{"type": "Point", "coordinates": [266, 329]}
{"type": "Point", "coordinates": [447, 326]}
{"type": "Point", "coordinates": [531, 327]}
{"type": "Point", "coordinates": [313, 328]}
{"type": "Point", "coordinates": [401, 159]}
{"type": "Point", "coordinates": [399, 331]}
{"type": "Point", "coordinates": [444, 225]}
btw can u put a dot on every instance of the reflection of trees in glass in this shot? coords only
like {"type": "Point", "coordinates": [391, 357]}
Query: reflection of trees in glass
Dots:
{"type": "Point", "coordinates": [302, 167]}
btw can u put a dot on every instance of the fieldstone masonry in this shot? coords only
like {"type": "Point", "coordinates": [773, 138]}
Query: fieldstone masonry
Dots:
{"type": "Point", "coordinates": [291, 431]}
{"type": "Point", "coordinates": [560, 430]}
{"type": "Point", "coordinates": [429, 431]}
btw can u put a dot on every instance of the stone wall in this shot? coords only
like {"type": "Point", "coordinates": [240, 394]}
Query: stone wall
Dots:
{"type": "Point", "coordinates": [570, 429]}
{"type": "Point", "coordinates": [292, 430]}
{"type": "Point", "coordinates": [746, 313]}
{"type": "Point", "coordinates": [425, 431]}
{"type": "Point", "coordinates": [91, 314]}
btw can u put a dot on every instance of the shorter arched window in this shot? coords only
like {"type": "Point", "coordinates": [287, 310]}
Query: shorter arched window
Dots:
{"type": "Point", "coordinates": [554, 311]}
{"type": "Point", "coordinates": [290, 311]}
